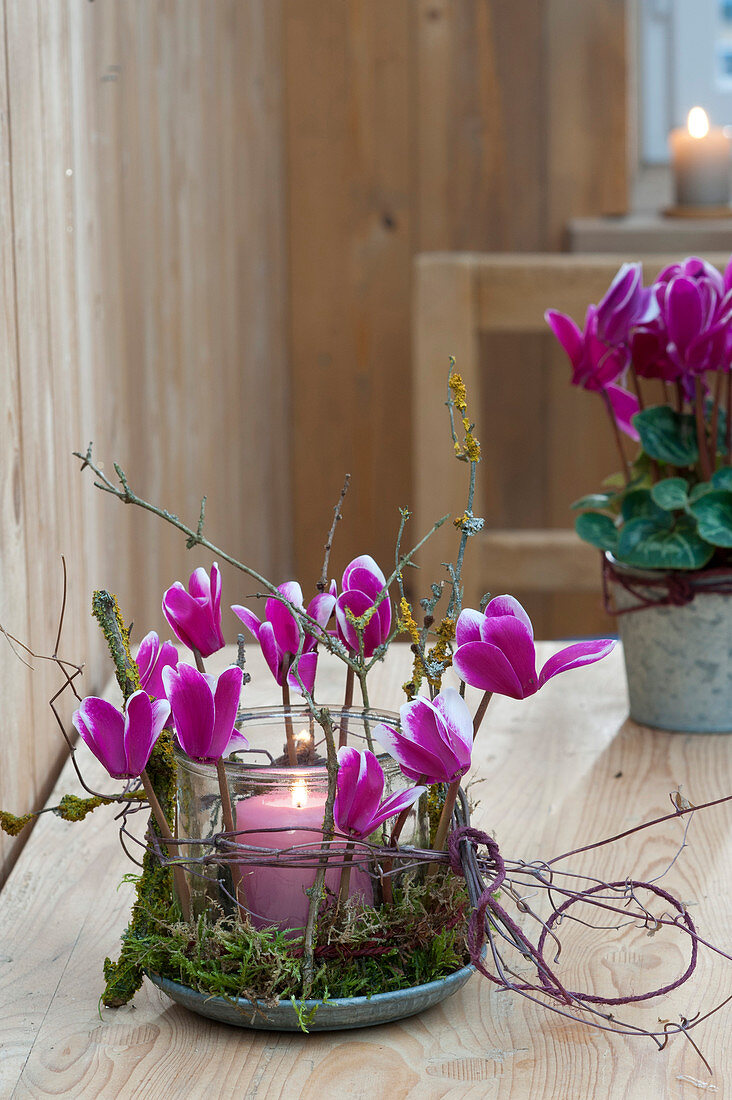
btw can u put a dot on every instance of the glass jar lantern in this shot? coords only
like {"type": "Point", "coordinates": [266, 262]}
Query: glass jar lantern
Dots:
{"type": "Point", "coordinates": [278, 806]}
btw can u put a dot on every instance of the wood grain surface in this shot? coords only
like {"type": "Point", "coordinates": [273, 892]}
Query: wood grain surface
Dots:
{"type": "Point", "coordinates": [143, 300]}
{"type": "Point", "coordinates": [560, 769]}
{"type": "Point", "coordinates": [414, 126]}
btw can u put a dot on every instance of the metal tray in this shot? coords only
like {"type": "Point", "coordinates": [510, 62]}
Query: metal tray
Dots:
{"type": "Point", "coordinates": [336, 1015]}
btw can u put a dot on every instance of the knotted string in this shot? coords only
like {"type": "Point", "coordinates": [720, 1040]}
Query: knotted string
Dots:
{"type": "Point", "coordinates": [672, 589]}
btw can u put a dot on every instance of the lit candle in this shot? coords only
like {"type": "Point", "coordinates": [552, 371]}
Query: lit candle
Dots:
{"type": "Point", "coordinates": [700, 158]}
{"type": "Point", "coordinates": [276, 895]}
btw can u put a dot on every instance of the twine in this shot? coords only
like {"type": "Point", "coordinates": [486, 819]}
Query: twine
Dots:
{"type": "Point", "coordinates": [669, 589]}
{"type": "Point", "coordinates": [460, 858]}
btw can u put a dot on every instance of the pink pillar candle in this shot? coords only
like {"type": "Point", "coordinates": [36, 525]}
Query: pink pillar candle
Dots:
{"type": "Point", "coordinates": [276, 895]}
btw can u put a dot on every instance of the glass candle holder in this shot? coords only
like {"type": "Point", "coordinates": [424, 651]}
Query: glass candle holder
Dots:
{"type": "Point", "coordinates": [279, 806]}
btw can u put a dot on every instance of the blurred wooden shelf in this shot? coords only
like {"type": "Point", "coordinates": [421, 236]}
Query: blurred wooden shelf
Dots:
{"type": "Point", "coordinates": [635, 234]}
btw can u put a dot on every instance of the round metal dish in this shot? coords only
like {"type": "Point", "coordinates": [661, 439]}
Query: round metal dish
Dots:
{"type": "Point", "coordinates": [335, 1015]}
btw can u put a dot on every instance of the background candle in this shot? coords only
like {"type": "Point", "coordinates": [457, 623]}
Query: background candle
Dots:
{"type": "Point", "coordinates": [700, 156]}
{"type": "Point", "coordinates": [276, 895]}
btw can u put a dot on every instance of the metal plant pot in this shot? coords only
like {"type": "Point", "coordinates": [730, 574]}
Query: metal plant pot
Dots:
{"type": "Point", "coordinates": [678, 654]}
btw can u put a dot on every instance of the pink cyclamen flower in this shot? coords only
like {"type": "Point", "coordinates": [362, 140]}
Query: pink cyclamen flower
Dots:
{"type": "Point", "coordinates": [358, 808]}
{"type": "Point", "coordinates": [496, 650]}
{"type": "Point", "coordinates": [695, 318]}
{"type": "Point", "coordinates": [436, 738]}
{"type": "Point", "coordinates": [204, 710]}
{"type": "Point", "coordinates": [279, 634]}
{"type": "Point", "coordinates": [195, 615]}
{"type": "Point", "coordinates": [151, 658]}
{"type": "Point", "coordinates": [626, 304]}
{"type": "Point", "coordinates": [362, 583]}
{"type": "Point", "coordinates": [596, 365]}
{"type": "Point", "coordinates": [122, 740]}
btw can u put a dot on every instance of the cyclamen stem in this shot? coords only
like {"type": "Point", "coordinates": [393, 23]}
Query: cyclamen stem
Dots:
{"type": "Point", "coordinates": [618, 439]}
{"type": "Point", "coordinates": [199, 661]}
{"type": "Point", "coordinates": [444, 823]}
{"type": "Point", "coordinates": [345, 875]}
{"type": "Point", "coordinates": [181, 883]}
{"type": "Point", "coordinates": [289, 731]}
{"type": "Point", "coordinates": [394, 840]}
{"type": "Point", "coordinates": [480, 712]}
{"type": "Point", "coordinates": [729, 417]}
{"type": "Point", "coordinates": [706, 466]}
{"type": "Point", "coordinates": [714, 430]}
{"type": "Point", "coordinates": [347, 704]}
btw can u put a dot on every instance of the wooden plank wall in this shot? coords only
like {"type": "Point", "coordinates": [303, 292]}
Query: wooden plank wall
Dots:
{"type": "Point", "coordinates": [160, 272]}
{"type": "Point", "coordinates": [412, 126]}
{"type": "Point", "coordinates": [143, 298]}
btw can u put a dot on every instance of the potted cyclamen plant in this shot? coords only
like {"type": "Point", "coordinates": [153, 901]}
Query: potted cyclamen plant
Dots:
{"type": "Point", "coordinates": [659, 358]}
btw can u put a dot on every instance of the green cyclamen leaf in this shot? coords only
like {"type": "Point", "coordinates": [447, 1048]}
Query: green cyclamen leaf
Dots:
{"type": "Point", "coordinates": [648, 545]}
{"type": "Point", "coordinates": [596, 501]}
{"type": "Point", "coordinates": [598, 530]}
{"type": "Point", "coordinates": [639, 504]}
{"type": "Point", "coordinates": [667, 436]}
{"type": "Point", "coordinates": [671, 494]}
{"type": "Point", "coordinates": [700, 490]}
{"type": "Point", "coordinates": [713, 513]}
{"type": "Point", "coordinates": [722, 478]}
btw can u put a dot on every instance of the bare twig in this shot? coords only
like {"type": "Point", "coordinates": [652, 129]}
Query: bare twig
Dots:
{"type": "Point", "coordinates": [337, 517]}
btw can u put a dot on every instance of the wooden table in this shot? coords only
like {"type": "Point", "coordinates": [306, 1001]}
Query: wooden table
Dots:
{"type": "Point", "coordinates": [553, 771]}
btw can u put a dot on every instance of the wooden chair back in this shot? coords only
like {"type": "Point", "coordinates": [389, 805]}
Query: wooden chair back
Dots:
{"type": "Point", "coordinates": [544, 442]}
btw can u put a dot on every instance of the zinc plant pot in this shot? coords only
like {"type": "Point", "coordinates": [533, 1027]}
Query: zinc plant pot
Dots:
{"type": "Point", "coordinates": [678, 656]}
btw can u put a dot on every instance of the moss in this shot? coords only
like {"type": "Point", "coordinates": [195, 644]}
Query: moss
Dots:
{"type": "Point", "coordinates": [106, 611]}
{"type": "Point", "coordinates": [11, 824]}
{"type": "Point", "coordinates": [361, 951]}
{"type": "Point", "coordinates": [435, 798]}
{"type": "Point", "coordinates": [154, 893]}
{"type": "Point", "coordinates": [71, 808]}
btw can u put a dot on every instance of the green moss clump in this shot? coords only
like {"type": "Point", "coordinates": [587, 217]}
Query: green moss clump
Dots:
{"type": "Point", "coordinates": [362, 950]}
{"type": "Point", "coordinates": [154, 900]}
{"type": "Point", "coordinates": [153, 903]}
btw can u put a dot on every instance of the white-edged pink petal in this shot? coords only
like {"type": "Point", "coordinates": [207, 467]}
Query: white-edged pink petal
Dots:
{"type": "Point", "coordinates": [364, 561]}
{"type": "Point", "coordinates": [271, 651]}
{"type": "Point", "coordinates": [394, 805]}
{"type": "Point", "coordinates": [101, 726]}
{"type": "Point", "coordinates": [486, 667]}
{"type": "Point", "coordinates": [141, 730]}
{"type": "Point", "coordinates": [516, 642]}
{"type": "Point", "coordinates": [226, 705]}
{"type": "Point", "coordinates": [458, 719]}
{"type": "Point", "coordinates": [250, 620]}
{"type": "Point", "coordinates": [192, 703]}
{"type": "Point", "coordinates": [468, 626]}
{"type": "Point", "coordinates": [509, 605]}
{"type": "Point", "coordinates": [306, 667]}
{"type": "Point", "coordinates": [581, 653]}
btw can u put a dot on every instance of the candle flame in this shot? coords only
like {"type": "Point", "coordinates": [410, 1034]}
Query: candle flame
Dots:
{"type": "Point", "coordinates": [698, 122]}
{"type": "Point", "coordinates": [303, 737]}
{"type": "Point", "coordinates": [299, 794]}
